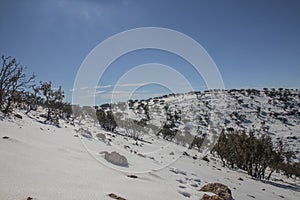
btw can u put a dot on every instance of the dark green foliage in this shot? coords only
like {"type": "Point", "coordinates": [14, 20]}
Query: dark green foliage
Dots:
{"type": "Point", "coordinates": [167, 132]}
{"type": "Point", "coordinates": [106, 120]}
{"type": "Point", "coordinates": [197, 142]}
{"type": "Point", "coordinates": [253, 154]}
{"type": "Point", "coordinates": [170, 128]}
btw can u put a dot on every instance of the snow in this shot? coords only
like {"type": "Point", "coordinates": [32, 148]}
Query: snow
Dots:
{"type": "Point", "coordinates": [219, 107]}
{"type": "Point", "coordinates": [47, 162]}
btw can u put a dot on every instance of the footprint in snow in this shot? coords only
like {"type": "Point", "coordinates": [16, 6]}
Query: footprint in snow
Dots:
{"type": "Point", "coordinates": [197, 180]}
{"type": "Point", "coordinates": [182, 172]}
{"type": "Point", "coordinates": [184, 193]}
{"type": "Point", "coordinates": [181, 181]}
{"type": "Point", "coordinates": [194, 185]}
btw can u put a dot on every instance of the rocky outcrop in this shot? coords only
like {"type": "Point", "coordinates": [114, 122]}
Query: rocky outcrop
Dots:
{"type": "Point", "coordinates": [222, 192]}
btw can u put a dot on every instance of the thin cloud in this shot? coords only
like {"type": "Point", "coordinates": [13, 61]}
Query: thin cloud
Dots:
{"type": "Point", "coordinates": [103, 86]}
{"type": "Point", "coordinates": [132, 84]}
{"type": "Point", "coordinates": [99, 92]}
{"type": "Point", "coordinates": [91, 88]}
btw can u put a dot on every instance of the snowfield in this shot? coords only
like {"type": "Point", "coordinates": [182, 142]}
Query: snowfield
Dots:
{"type": "Point", "coordinates": [46, 162]}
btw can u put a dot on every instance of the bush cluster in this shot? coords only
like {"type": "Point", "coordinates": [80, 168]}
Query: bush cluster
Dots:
{"type": "Point", "coordinates": [254, 154]}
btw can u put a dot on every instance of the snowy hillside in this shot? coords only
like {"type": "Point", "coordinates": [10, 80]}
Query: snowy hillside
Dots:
{"type": "Point", "coordinates": [272, 112]}
{"type": "Point", "coordinates": [41, 161]}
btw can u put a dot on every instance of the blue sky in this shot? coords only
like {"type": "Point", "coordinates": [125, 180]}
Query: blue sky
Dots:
{"type": "Point", "coordinates": [254, 43]}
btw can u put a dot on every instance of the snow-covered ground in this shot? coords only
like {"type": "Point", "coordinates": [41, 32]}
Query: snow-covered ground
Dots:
{"type": "Point", "coordinates": [274, 113]}
{"type": "Point", "coordinates": [47, 162]}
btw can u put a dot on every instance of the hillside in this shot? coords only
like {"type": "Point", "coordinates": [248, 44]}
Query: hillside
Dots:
{"type": "Point", "coordinates": [42, 161]}
{"type": "Point", "coordinates": [272, 112]}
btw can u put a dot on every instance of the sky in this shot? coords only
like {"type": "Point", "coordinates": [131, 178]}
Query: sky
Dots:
{"type": "Point", "coordinates": [254, 43]}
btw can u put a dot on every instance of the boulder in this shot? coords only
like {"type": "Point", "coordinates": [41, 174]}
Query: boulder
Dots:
{"type": "Point", "coordinates": [116, 159]}
{"type": "Point", "coordinates": [222, 191]}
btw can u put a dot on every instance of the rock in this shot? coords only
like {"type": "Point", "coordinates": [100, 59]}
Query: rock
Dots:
{"type": "Point", "coordinates": [222, 191]}
{"type": "Point", "coordinates": [185, 154]}
{"type": "Point", "coordinates": [214, 197]}
{"type": "Point", "coordinates": [240, 179]}
{"type": "Point", "coordinates": [85, 133]}
{"type": "Point", "coordinates": [116, 159]}
{"type": "Point", "coordinates": [126, 147]}
{"type": "Point", "coordinates": [114, 196]}
{"type": "Point", "coordinates": [18, 116]}
{"type": "Point", "coordinates": [101, 136]}
{"type": "Point", "coordinates": [205, 158]}
{"type": "Point", "coordinates": [132, 176]}
{"type": "Point", "coordinates": [5, 137]}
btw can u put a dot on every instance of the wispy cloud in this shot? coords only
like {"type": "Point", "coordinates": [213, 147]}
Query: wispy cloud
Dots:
{"type": "Point", "coordinates": [99, 92]}
{"type": "Point", "coordinates": [132, 84]}
{"type": "Point", "coordinates": [91, 88]}
{"type": "Point", "coordinates": [103, 86]}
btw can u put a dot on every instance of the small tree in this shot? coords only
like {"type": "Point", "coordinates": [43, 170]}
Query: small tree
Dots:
{"type": "Point", "coordinates": [46, 88]}
{"type": "Point", "coordinates": [32, 98]}
{"type": "Point", "coordinates": [253, 154]}
{"type": "Point", "coordinates": [106, 120]}
{"type": "Point", "coordinates": [53, 101]}
{"type": "Point", "coordinates": [13, 81]}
